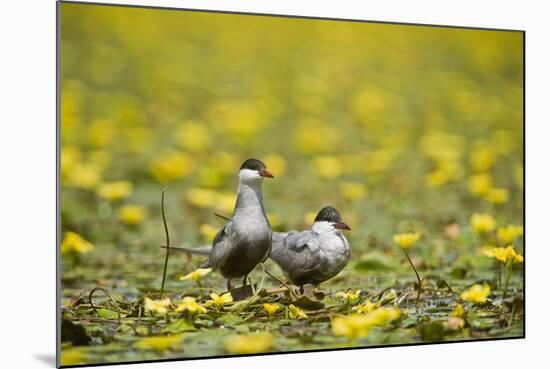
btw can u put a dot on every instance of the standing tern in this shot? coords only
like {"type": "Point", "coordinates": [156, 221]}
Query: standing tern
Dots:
{"type": "Point", "coordinates": [316, 255]}
{"type": "Point", "coordinates": [245, 240]}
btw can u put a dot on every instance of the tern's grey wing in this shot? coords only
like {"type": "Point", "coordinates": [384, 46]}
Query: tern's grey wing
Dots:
{"type": "Point", "coordinates": [295, 252]}
{"type": "Point", "coordinates": [220, 247]}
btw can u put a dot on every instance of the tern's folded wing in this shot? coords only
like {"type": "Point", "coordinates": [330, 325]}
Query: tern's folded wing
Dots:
{"type": "Point", "coordinates": [220, 247]}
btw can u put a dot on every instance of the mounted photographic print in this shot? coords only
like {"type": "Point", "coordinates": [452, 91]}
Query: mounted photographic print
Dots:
{"type": "Point", "coordinates": [245, 184]}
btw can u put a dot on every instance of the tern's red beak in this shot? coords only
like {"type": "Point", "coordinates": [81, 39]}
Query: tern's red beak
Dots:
{"type": "Point", "coordinates": [342, 225]}
{"type": "Point", "coordinates": [266, 173]}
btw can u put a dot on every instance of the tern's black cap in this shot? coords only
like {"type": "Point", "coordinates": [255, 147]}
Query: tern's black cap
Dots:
{"type": "Point", "coordinates": [253, 164]}
{"type": "Point", "coordinates": [328, 214]}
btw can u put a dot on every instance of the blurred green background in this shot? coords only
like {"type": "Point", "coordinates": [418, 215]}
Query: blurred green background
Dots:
{"type": "Point", "coordinates": [400, 127]}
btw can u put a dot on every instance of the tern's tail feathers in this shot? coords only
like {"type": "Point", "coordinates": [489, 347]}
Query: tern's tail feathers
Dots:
{"type": "Point", "coordinates": [199, 250]}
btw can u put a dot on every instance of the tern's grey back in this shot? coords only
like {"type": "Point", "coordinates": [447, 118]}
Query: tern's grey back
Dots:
{"type": "Point", "coordinates": [307, 257]}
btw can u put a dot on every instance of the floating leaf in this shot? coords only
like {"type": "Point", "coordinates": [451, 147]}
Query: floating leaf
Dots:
{"type": "Point", "coordinates": [159, 343]}
{"type": "Point", "coordinates": [374, 261]}
{"type": "Point", "coordinates": [180, 325]}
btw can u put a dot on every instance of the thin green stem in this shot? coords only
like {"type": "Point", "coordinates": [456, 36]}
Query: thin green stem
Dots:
{"type": "Point", "coordinates": [417, 276]}
{"type": "Point", "coordinates": [507, 280]}
{"type": "Point", "coordinates": [167, 241]}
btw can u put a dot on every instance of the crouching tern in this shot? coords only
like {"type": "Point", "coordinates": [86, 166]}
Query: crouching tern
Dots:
{"type": "Point", "coordinates": [245, 240]}
{"type": "Point", "coordinates": [316, 255]}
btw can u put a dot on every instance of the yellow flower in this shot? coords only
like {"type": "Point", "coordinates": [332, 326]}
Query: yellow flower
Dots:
{"type": "Point", "coordinates": [157, 306]}
{"type": "Point", "coordinates": [437, 178]}
{"type": "Point", "coordinates": [201, 197]}
{"type": "Point", "coordinates": [70, 157]}
{"type": "Point", "coordinates": [249, 343]}
{"type": "Point", "coordinates": [132, 214]}
{"type": "Point", "coordinates": [295, 312]}
{"type": "Point", "coordinates": [480, 184]}
{"type": "Point", "coordinates": [83, 175]}
{"type": "Point", "coordinates": [271, 309]}
{"type": "Point", "coordinates": [349, 296]}
{"type": "Point", "coordinates": [381, 316]}
{"type": "Point", "coordinates": [352, 326]}
{"type": "Point", "coordinates": [73, 242]}
{"type": "Point", "coordinates": [72, 356]}
{"type": "Point", "coordinates": [328, 167]}
{"type": "Point", "coordinates": [503, 254]}
{"type": "Point", "coordinates": [208, 232]}
{"type": "Point", "coordinates": [171, 167]}
{"type": "Point", "coordinates": [191, 305]}
{"type": "Point", "coordinates": [406, 240]}
{"type": "Point", "coordinates": [159, 343]}
{"type": "Point", "coordinates": [458, 311]}
{"type": "Point", "coordinates": [196, 275]}
{"type": "Point", "coordinates": [193, 136]}
{"type": "Point", "coordinates": [219, 301]}
{"type": "Point", "coordinates": [225, 202]}
{"type": "Point", "coordinates": [211, 176]}
{"type": "Point", "coordinates": [353, 190]}
{"type": "Point", "coordinates": [498, 196]}
{"type": "Point", "coordinates": [309, 217]}
{"type": "Point", "coordinates": [313, 137]}
{"type": "Point", "coordinates": [101, 133]}
{"type": "Point", "coordinates": [482, 159]}
{"type": "Point", "coordinates": [274, 220]}
{"type": "Point", "coordinates": [276, 164]}
{"type": "Point", "coordinates": [482, 223]}
{"type": "Point", "coordinates": [508, 234]}
{"type": "Point", "coordinates": [114, 191]}
{"type": "Point", "coordinates": [477, 294]}
{"type": "Point", "coordinates": [367, 307]}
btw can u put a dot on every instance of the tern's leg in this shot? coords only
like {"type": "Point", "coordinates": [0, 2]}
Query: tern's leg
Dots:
{"type": "Point", "coordinates": [301, 289]}
{"type": "Point", "coordinates": [229, 288]}
{"type": "Point", "coordinates": [244, 282]}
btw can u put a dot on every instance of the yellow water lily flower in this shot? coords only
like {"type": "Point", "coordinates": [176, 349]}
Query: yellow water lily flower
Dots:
{"type": "Point", "coordinates": [190, 305]}
{"type": "Point", "coordinates": [480, 184]}
{"type": "Point", "coordinates": [276, 163]}
{"type": "Point", "coordinates": [352, 326]}
{"type": "Point", "coordinates": [249, 343]}
{"type": "Point", "coordinates": [159, 343]}
{"type": "Point", "coordinates": [219, 301]}
{"type": "Point", "coordinates": [73, 242]}
{"type": "Point", "coordinates": [406, 240]}
{"type": "Point", "coordinates": [132, 214]}
{"type": "Point", "coordinates": [498, 196]}
{"type": "Point", "coordinates": [295, 312]}
{"type": "Point", "coordinates": [353, 190]}
{"type": "Point", "coordinates": [503, 254]}
{"type": "Point", "coordinates": [381, 316]}
{"type": "Point", "coordinates": [458, 311]}
{"type": "Point", "coordinates": [157, 306]}
{"type": "Point", "coordinates": [271, 309]}
{"type": "Point", "coordinates": [482, 223]}
{"type": "Point", "coordinates": [482, 159]}
{"type": "Point", "coordinates": [367, 307]}
{"type": "Point", "coordinates": [73, 356]}
{"type": "Point", "coordinates": [349, 296]}
{"type": "Point", "coordinates": [114, 191]}
{"type": "Point", "coordinates": [327, 166]}
{"type": "Point", "coordinates": [171, 167]}
{"type": "Point", "coordinates": [201, 197]}
{"type": "Point", "coordinates": [477, 294]}
{"type": "Point", "coordinates": [207, 232]}
{"type": "Point", "coordinates": [508, 234]}
{"type": "Point", "coordinates": [193, 136]}
{"type": "Point", "coordinates": [196, 275]}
